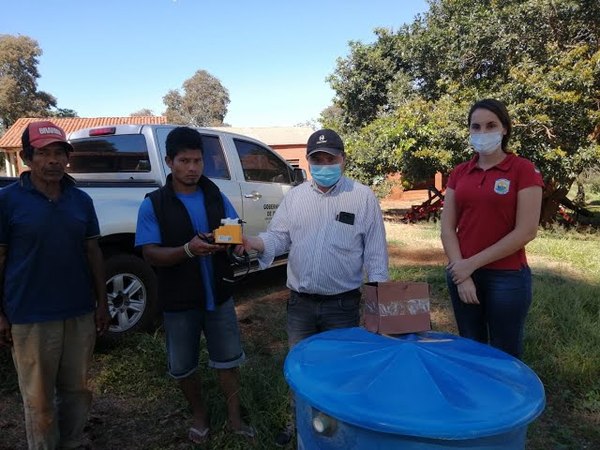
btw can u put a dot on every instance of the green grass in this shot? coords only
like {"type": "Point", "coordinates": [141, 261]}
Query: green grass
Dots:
{"type": "Point", "coordinates": [136, 369]}
{"type": "Point", "coordinates": [562, 342]}
{"type": "Point", "coordinates": [572, 250]}
{"type": "Point", "coordinates": [137, 406]}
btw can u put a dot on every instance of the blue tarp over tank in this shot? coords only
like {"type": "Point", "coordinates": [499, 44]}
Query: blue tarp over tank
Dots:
{"type": "Point", "coordinates": [431, 385]}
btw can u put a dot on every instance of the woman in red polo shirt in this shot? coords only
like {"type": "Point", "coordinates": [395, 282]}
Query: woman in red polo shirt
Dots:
{"type": "Point", "coordinates": [491, 211]}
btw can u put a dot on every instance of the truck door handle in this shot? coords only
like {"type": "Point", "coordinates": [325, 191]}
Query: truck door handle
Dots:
{"type": "Point", "coordinates": [253, 195]}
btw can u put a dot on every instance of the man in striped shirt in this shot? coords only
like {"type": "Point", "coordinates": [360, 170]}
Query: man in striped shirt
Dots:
{"type": "Point", "coordinates": [333, 229]}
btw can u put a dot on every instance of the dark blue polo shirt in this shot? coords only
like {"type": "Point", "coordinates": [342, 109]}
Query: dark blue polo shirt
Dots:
{"type": "Point", "coordinates": [46, 273]}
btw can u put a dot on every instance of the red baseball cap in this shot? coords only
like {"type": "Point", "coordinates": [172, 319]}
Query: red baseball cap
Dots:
{"type": "Point", "coordinates": [40, 134]}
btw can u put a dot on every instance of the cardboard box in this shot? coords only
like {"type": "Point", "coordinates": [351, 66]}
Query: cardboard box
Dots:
{"type": "Point", "coordinates": [397, 307]}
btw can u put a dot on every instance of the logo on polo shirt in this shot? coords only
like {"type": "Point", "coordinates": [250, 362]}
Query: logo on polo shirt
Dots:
{"type": "Point", "coordinates": [502, 186]}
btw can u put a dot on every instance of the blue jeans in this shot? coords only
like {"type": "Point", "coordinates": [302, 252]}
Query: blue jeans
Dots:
{"type": "Point", "coordinates": [309, 314]}
{"type": "Point", "coordinates": [499, 319]}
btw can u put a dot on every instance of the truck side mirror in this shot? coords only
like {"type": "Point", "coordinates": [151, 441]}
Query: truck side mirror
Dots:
{"type": "Point", "coordinates": [299, 175]}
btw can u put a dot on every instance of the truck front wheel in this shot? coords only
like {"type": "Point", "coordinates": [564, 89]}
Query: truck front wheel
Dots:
{"type": "Point", "coordinates": [132, 294]}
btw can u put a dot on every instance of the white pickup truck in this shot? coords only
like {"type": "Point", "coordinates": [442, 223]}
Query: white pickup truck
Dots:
{"type": "Point", "coordinates": [117, 166]}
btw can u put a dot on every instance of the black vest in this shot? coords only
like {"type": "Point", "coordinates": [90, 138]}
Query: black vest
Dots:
{"type": "Point", "coordinates": [180, 286]}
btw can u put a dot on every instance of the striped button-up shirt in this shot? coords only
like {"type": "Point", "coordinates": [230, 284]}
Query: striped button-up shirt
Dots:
{"type": "Point", "coordinates": [326, 255]}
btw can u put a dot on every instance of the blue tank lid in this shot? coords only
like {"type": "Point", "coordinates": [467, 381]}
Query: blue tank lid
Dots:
{"type": "Point", "coordinates": [432, 384]}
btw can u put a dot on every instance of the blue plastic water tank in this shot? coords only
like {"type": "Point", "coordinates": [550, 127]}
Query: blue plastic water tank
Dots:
{"type": "Point", "coordinates": [359, 390]}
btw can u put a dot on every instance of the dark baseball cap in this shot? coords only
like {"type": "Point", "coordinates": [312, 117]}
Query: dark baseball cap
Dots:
{"type": "Point", "coordinates": [325, 141]}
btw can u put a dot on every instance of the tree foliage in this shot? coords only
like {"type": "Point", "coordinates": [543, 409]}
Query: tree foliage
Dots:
{"type": "Point", "coordinates": [417, 139]}
{"type": "Point", "coordinates": [404, 98]}
{"type": "Point", "coordinates": [142, 112]}
{"type": "Point", "coordinates": [203, 102]}
{"type": "Point", "coordinates": [19, 95]}
{"type": "Point", "coordinates": [63, 112]}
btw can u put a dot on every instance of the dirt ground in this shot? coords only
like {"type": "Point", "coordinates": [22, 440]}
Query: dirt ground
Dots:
{"type": "Point", "coordinates": [119, 420]}
{"type": "Point", "coordinates": [114, 419]}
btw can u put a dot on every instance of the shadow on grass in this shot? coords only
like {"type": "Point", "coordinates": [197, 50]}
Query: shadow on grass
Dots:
{"type": "Point", "coordinates": [137, 406]}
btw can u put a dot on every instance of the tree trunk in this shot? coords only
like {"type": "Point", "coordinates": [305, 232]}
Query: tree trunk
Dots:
{"type": "Point", "coordinates": [551, 201]}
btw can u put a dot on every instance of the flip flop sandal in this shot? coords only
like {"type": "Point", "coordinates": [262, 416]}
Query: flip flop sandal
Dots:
{"type": "Point", "coordinates": [247, 431]}
{"type": "Point", "coordinates": [198, 436]}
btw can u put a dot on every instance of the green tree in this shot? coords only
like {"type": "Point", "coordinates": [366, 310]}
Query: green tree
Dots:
{"type": "Point", "coordinates": [362, 80]}
{"type": "Point", "coordinates": [142, 112]}
{"type": "Point", "coordinates": [332, 117]}
{"type": "Point", "coordinates": [418, 139]}
{"type": "Point", "coordinates": [19, 95]}
{"type": "Point", "coordinates": [63, 112]}
{"type": "Point", "coordinates": [540, 57]}
{"type": "Point", "coordinates": [203, 102]}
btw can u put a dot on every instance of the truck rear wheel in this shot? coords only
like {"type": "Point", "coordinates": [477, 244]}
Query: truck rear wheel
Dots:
{"type": "Point", "coordinates": [132, 295]}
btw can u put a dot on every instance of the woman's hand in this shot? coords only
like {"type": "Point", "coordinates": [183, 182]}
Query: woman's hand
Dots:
{"type": "Point", "coordinates": [460, 270]}
{"type": "Point", "coordinates": [467, 292]}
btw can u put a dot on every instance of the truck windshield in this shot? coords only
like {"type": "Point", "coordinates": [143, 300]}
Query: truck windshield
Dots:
{"type": "Point", "coordinates": [122, 153]}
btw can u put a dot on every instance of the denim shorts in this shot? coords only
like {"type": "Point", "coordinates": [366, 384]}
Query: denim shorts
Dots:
{"type": "Point", "coordinates": [183, 330]}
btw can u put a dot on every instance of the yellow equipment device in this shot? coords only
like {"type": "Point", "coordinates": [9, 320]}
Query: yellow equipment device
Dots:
{"type": "Point", "coordinates": [230, 232]}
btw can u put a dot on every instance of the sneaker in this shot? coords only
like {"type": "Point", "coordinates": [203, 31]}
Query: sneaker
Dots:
{"type": "Point", "coordinates": [284, 437]}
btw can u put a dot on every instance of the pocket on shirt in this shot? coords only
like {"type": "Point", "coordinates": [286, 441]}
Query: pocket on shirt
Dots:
{"type": "Point", "coordinates": [344, 236]}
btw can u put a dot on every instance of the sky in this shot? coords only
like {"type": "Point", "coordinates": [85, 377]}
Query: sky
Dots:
{"type": "Point", "coordinates": [115, 57]}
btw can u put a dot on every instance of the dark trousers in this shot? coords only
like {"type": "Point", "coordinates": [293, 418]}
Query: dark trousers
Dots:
{"type": "Point", "coordinates": [309, 314]}
{"type": "Point", "coordinates": [499, 319]}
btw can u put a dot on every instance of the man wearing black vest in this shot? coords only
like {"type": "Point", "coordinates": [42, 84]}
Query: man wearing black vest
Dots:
{"type": "Point", "coordinates": [173, 225]}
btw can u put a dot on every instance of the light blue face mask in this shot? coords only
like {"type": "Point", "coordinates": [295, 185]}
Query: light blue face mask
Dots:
{"type": "Point", "coordinates": [326, 176]}
{"type": "Point", "coordinates": [486, 143]}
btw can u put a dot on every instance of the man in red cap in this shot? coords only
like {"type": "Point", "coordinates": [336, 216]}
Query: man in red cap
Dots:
{"type": "Point", "coordinates": [52, 289]}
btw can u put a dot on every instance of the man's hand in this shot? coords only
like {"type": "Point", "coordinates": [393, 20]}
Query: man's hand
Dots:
{"type": "Point", "coordinates": [5, 334]}
{"type": "Point", "coordinates": [102, 318]}
{"type": "Point", "coordinates": [253, 243]}
{"type": "Point", "coordinates": [201, 245]}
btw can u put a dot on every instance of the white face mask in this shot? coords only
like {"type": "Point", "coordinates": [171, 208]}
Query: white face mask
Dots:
{"type": "Point", "coordinates": [486, 143]}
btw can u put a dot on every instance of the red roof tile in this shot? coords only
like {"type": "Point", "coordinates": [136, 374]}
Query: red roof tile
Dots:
{"type": "Point", "coordinates": [274, 135]}
{"type": "Point", "coordinates": [11, 140]}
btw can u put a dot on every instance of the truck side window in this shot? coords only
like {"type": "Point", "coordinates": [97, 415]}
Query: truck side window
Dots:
{"type": "Point", "coordinates": [215, 165]}
{"type": "Point", "coordinates": [123, 153]}
{"type": "Point", "coordinates": [260, 164]}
